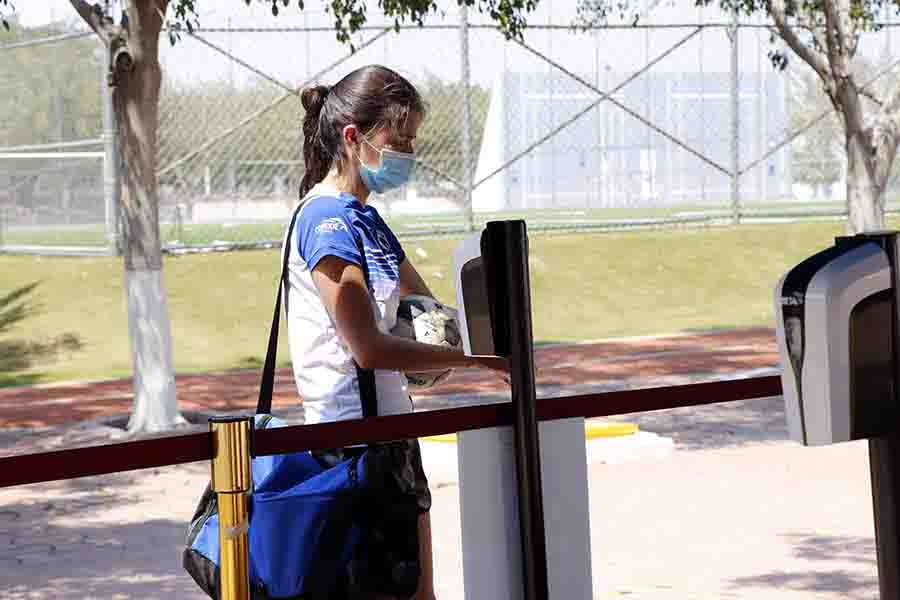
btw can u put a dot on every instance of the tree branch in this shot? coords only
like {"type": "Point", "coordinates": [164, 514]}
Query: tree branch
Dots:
{"type": "Point", "coordinates": [884, 136]}
{"type": "Point", "coordinates": [843, 23]}
{"type": "Point", "coordinates": [93, 16]}
{"type": "Point", "coordinates": [855, 29]}
{"type": "Point", "coordinates": [890, 109]}
{"type": "Point", "coordinates": [785, 32]}
{"type": "Point", "coordinates": [811, 22]}
{"type": "Point", "coordinates": [832, 43]}
{"type": "Point", "coordinates": [866, 92]}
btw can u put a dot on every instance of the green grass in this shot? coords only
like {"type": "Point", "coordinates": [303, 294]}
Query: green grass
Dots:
{"type": "Point", "coordinates": [200, 234]}
{"type": "Point", "coordinates": [189, 234]}
{"type": "Point", "coordinates": [584, 287]}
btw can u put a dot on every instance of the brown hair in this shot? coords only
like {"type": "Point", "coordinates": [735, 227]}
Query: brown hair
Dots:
{"type": "Point", "coordinates": [369, 97]}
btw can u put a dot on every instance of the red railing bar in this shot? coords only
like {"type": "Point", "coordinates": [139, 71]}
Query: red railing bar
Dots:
{"type": "Point", "coordinates": [662, 398]}
{"type": "Point", "coordinates": [178, 449]}
{"type": "Point", "coordinates": [173, 450]}
{"type": "Point", "coordinates": [381, 429]}
{"type": "Point", "coordinates": [451, 420]}
{"type": "Point", "coordinates": [107, 458]}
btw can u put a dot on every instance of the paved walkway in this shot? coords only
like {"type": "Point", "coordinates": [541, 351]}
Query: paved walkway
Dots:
{"type": "Point", "coordinates": [619, 363]}
{"type": "Point", "coordinates": [705, 503]}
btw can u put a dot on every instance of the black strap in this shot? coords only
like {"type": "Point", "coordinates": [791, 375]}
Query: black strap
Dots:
{"type": "Point", "coordinates": [368, 396]}
{"type": "Point", "coordinates": [367, 392]}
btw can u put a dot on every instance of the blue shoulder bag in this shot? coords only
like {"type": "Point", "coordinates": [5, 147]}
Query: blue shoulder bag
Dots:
{"type": "Point", "coordinates": [307, 530]}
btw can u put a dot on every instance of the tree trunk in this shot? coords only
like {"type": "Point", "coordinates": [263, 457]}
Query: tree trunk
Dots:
{"type": "Point", "coordinates": [137, 106]}
{"type": "Point", "coordinates": [865, 197]}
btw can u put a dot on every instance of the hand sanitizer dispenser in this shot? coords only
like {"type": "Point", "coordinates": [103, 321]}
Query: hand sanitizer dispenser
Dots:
{"type": "Point", "coordinates": [491, 460]}
{"type": "Point", "coordinates": [473, 298]}
{"type": "Point", "coordinates": [836, 322]}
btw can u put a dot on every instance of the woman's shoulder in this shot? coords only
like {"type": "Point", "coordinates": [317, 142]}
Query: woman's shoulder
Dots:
{"type": "Point", "coordinates": [325, 196]}
{"type": "Point", "coordinates": [328, 204]}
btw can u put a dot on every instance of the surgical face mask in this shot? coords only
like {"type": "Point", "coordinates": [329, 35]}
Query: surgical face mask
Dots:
{"type": "Point", "coordinates": [395, 170]}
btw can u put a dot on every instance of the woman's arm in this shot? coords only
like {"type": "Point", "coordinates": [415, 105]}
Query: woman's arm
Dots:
{"type": "Point", "coordinates": [411, 282]}
{"type": "Point", "coordinates": [342, 287]}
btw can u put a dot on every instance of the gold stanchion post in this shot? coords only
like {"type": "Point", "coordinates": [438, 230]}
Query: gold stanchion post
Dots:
{"type": "Point", "coordinates": [231, 480]}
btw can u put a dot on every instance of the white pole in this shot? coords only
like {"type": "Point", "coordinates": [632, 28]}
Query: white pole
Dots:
{"type": "Point", "coordinates": [735, 124]}
{"type": "Point", "coordinates": [468, 174]}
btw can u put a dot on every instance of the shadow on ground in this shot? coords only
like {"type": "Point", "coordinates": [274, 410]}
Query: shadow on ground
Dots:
{"type": "Point", "coordinates": [79, 539]}
{"type": "Point", "coordinates": [731, 424]}
{"type": "Point", "coordinates": [840, 564]}
{"type": "Point", "coordinates": [138, 560]}
{"type": "Point", "coordinates": [711, 426]}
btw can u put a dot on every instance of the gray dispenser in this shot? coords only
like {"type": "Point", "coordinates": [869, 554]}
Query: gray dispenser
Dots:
{"type": "Point", "coordinates": [836, 321]}
{"type": "Point", "coordinates": [836, 330]}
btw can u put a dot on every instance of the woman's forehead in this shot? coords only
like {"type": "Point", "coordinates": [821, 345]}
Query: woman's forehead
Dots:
{"type": "Point", "coordinates": [411, 125]}
{"type": "Point", "coordinates": [405, 129]}
{"type": "Point", "coordinates": [408, 127]}
{"type": "Point", "coordinates": [389, 134]}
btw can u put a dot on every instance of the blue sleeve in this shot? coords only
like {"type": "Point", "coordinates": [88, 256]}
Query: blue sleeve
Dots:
{"type": "Point", "coordinates": [325, 229]}
{"type": "Point", "coordinates": [394, 242]}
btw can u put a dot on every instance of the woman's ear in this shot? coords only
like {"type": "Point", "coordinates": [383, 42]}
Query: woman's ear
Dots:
{"type": "Point", "coordinates": [350, 136]}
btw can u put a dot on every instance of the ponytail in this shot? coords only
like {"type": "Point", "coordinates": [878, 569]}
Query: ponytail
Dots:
{"type": "Point", "coordinates": [316, 157]}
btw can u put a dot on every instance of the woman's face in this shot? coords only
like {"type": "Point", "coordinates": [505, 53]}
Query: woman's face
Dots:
{"type": "Point", "coordinates": [399, 140]}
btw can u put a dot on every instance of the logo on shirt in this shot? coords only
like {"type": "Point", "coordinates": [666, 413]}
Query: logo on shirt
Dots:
{"type": "Point", "coordinates": [331, 225]}
{"type": "Point", "coordinates": [382, 240]}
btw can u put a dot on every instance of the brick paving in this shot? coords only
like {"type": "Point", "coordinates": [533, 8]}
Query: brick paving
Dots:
{"type": "Point", "coordinates": [718, 353]}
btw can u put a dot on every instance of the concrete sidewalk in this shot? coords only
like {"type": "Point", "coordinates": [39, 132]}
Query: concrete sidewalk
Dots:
{"type": "Point", "coordinates": [717, 512]}
{"type": "Point", "coordinates": [704, 503]}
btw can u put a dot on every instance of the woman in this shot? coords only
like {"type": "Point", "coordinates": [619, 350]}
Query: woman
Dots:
{"type": "Point", "coordinates": [359, 138]}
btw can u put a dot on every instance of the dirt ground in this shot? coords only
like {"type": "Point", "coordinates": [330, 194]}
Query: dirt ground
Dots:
{"type": "Point", "coordinates": [709, 502]}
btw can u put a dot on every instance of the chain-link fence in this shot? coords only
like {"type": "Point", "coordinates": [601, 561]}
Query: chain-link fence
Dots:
{"type": "Point", "coordinates": [609, 127]}
{"type": "Point", "coordinates": [51, 152]}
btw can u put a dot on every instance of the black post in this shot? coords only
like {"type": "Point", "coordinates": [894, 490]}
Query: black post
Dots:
{"type": "Point", "coordinates": [884, 450]}
{"type": "Point", "coordinates": [884, 456]}
{"type": "Point", "coordinates": [507, 243]}
{"type": "Point", "coordinates": [884, 459]}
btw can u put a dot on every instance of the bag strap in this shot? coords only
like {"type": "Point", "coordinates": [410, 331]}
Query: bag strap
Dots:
{"type": "Point", "coordinates": [367, 391]}
{"type": "Point", "coordinates": [368, 395]}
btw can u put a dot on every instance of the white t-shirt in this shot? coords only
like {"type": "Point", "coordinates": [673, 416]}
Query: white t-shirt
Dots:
{"type": "Point", "coordinates": [336, 223]}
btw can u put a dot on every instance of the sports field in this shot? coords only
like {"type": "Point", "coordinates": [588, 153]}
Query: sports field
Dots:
{"type": "Point", "coordinates": [405, 225]}
{"type": "Point", "coordinates": [585, 286]}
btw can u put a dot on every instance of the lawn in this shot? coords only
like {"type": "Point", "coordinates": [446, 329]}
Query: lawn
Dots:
{"type": "Point", "coordinates": [209, 233]}
{"type": "Point", "coordinates": [584, 286]}
{"type": "Point", "coordinates": [403, 225]}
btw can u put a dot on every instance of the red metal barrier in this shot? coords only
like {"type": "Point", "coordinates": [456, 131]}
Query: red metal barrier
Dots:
{"type": "Point", "coordinates": [178, 449]}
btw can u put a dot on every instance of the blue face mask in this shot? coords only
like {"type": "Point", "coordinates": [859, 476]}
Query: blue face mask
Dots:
{"type": "Point", "coordinates": [395, 170]}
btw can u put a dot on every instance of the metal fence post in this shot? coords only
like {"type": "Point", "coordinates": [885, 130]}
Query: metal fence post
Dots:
{"type": "Point", "coordinates": [111, 161]}
{"type": "Point", "coordinates": [762, 191]}
{"type": "Point", "coordinates": [505, 248]}
{"type": "Point", "coordinates": [735, 122]}
{"type": "Point", "coordinates": [703, 141]}
{"type": "Point", "coordinates": [468, 171]}
{"type": "Point", "coordinates": [231, 481]}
